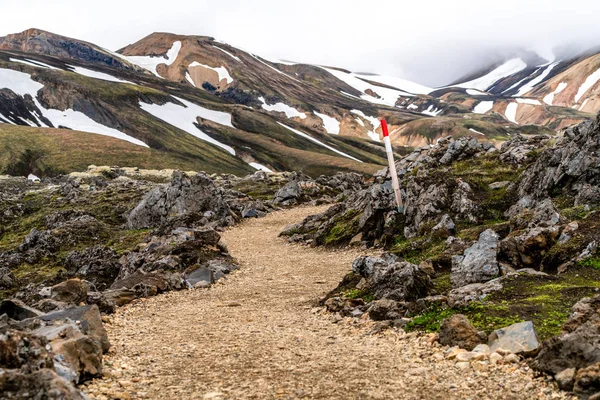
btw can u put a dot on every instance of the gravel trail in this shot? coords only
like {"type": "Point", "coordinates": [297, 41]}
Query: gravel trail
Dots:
{"type": "Point", "coordinates": [258, 335]}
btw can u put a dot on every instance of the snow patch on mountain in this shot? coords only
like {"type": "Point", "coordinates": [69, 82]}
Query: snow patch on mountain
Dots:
{"type": "Point", "coordinates": [349, 95]}
{"type": "Point", "coordinates": [150, 63]}
{"type": "Point", "coordinates": [387, 96]}
{"type": "Point", "coordinates": [511, 112]}
{"type": "Point", "coordinates": [476, 131]}
{"type": "Point", "coordinates": [189, 79]}
{"type": "Point", "coordinates": [80, 122]}
{"type": "Point", "coordinates": [508, 68]}
{"type": "Point", "coordinates": [312, 139]}
{"type": "Point", "coordinates": [474, 92]}
{"type": "Point", "coordinates": [549, 98]}
{"type": "Point", "coordinates": [229, 54]}
{"type": "Point", "coordinates": [483, 106]}
{"type": "Point", "coordinates": [97, 75]}
{"type": "Point", "coordinates": [398, 83]}
{"type": "Point", "coordinates": [221, 71]}
{"type": "Point", "coordinates": [587, 85]}
{"type": "Point", "coordinates": [330, 124]}
{"type": "Point", "coordinates": [259, 167]}
{"type": "Point", "coordinates": [257, 58]}
{"type": "Point", "coordinates": [372, 120]}
{"type": "Point", "coordinates": [32, 63]}
{"type": "Point", "coordinates": [583, 104]}
{"type": "Point", "coordinates": [534, 82]}
{"type": "Point", "coordinates": [290, 112]}
{"type": "Point", "coordinates": [433, 112]}
{"type": "Point", "coordinates": [184, 117]}
{"type": "Point", "coordinates": [22, 84]}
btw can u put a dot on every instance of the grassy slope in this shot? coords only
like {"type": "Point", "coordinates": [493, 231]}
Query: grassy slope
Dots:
{"type": "Point", "coordinates": [67, 150]}
{"type": "Point", "coordinates": [188, 152]}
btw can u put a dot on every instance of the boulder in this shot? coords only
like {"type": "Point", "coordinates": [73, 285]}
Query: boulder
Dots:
{"type": "Point", "coordinates": [386, 309]}
{"type": "Point", "coordinates": [566, 379]}
{"type": "Point", "coordinates": [528, 250]}
{"type": "Point", "coordinates": [571, 165]}
{"type": "Point", "coordinates": [479, 262]}
{"type": "Point", "coordinates": [78, 356]}
{"type": "Point", "coordinates": [288, 194]}
{"type": "Point", "coordinates": [159, 280]}
{"type": "Point", "coordinates": [472, 292]}
{"type": "Point", "coordinates": [70, 291]}
{"type": "Point", "coordinates": [17, 310]}
{"type": "Point", "coordinates": [24, 351]}
{"type": "Point", "coordinates": [98, 265]}
{"type": "Point", "coordinates": [587, 380]}
{"type": "Point", "coordinates": [391, 279]}
{"type": "Point", "coordinates": [519, 338]}
{"type": "Point", "coordinates": [88, 319]}
{"type": "Point", "coordinates": [458, 331]}
{"type": "Point", "coordinates": [7, 279]}
{"type": "Point", "coordinates": [115, 298]}
{"type": "Point", "coordinates": [195, 197]}
{"type": "Point", "coordinates": [15, 384]}
{"type": "Point", "coordinates": [220, 268]}
{"type": "Point", "coordinates": [201, 274]}
{"type": "Point", "coordinates": [578, 346]}
{"type": "Point", "coordinates": [462, 205]}
{"type": "Point", "coordinates": [444, 228]}
{"type": "Point", "coordinates": [343, 306]}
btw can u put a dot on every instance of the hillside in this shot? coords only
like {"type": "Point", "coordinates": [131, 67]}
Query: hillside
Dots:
{"type": "Point", "coordinates": [205, 103]}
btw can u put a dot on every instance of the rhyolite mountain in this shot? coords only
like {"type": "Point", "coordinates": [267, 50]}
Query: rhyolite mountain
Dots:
{"type": "Point", "coordinates": [196, 103]}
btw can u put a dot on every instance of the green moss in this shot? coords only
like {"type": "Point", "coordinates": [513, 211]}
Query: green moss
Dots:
{"type": "Point", "coordinates": [359, 294]}
{"type": "Point", "coordinates": [430, 320]}
{"type": "Point", "coordinates": [591, 262]}
{"type": "Point", "coordinates": [576, 213]}
{"type": "Point", "coordinates": [128, 239]}
{"type": "Point", "coordinates": [344, 228]}
{"type": "Point", "coordinates": [441, 283]}
{"type": "Point", "coordinates": [545, 300]}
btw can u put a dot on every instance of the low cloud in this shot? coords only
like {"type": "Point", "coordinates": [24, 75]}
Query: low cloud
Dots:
{"type": "Point", "coordinates": [433, 42]}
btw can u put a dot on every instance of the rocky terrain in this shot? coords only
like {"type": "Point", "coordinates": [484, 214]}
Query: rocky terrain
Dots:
{"type": "Point", "coordinates": [491, 268]}
{"type": "Point", "coordinates": [508, 237]}
{"type": "Point", "coordinates": [74, 248]}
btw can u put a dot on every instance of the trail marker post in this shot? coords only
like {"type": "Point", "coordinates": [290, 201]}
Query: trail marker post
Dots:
{"type": "Point", "coordinates": [393, 172]}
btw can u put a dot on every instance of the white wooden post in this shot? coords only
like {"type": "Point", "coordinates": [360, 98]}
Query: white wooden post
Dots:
{"type": "Point", "coordinates": [393, 172]}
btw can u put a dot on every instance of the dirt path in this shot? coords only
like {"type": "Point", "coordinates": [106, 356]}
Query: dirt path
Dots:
{"type": "Point", "coordinates": [257, 335]}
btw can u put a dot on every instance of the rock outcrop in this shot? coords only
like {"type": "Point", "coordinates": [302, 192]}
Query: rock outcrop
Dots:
{"type": "Point", "coordinates": [571, 165]}
{"type": "Point", "coordinates": [194, 197]}
{"type": "Point", "coordinates": [390, 278]}
{"type": "Point", "coordinates": [479, 262]}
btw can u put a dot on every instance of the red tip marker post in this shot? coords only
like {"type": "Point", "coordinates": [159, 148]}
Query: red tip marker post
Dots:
{"type": "Point", "coordinates": [393, 172]}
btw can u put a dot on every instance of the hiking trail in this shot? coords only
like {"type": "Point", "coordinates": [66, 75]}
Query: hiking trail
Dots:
{"type": "Point", "coordinates": [258, 335]}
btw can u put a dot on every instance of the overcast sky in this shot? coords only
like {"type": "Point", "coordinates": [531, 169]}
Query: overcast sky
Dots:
{"type": "Point", "coordinates": [431, 42]}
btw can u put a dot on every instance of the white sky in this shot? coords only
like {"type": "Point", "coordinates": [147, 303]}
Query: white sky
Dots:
{"type": "Point", "coordinates": [431, 42]}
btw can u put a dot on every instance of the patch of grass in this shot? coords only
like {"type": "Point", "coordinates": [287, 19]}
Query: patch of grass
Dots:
{"type": "Point", "coordinates": [431, 320]}
{"type": "Point", "coordinates": [344, 228]}
{"type": "Point", "coordinates": [546, 301]}
{"type": "Point", "coordinates": [441, 283]}
{"type": "Point", "coordinates": [128, 239]}
{"type": "Point", "coordinates": [359, 294]}
{"type": "Point", "coordinates": [416, 250]}
{"type": "Point", "coordinates": [590, 262]}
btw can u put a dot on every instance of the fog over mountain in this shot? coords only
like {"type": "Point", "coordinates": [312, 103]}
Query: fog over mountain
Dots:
{"type": "Point", "coordinates": [432, 42]}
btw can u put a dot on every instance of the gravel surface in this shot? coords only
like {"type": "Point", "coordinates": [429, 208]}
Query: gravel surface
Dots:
{"type": "Point", "coordinates": [258, 335]}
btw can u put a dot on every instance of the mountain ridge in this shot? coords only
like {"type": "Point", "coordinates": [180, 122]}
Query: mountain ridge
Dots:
{"type": "Point", "coordinates": [200, 88]}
